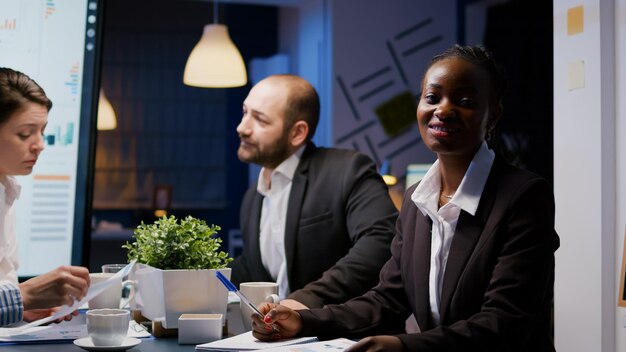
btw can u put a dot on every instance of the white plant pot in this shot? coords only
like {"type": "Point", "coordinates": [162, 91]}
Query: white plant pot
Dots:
{"type": "Point", "coordinates": [163, 295]}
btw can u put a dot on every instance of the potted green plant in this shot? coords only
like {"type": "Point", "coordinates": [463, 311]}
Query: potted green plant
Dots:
{"type": "Point", "coordinates": [175, 271]}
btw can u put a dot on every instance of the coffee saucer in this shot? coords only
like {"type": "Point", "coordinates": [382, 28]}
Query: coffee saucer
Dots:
{"type": "Point", "coordinates": [87, 344]}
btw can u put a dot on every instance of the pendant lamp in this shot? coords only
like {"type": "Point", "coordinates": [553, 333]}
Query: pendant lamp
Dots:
{"type": "Point", "coordinates": [106, 114]}
{"type": "Point", "coordinates": [215, 62]}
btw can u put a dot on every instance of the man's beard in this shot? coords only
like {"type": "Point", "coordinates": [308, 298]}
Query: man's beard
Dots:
{"type": "Point", "coordinates": [271, 157]}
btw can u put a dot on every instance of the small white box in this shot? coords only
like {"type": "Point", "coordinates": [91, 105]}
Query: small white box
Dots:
{"type": "Point", "coordinates": [199, 328]}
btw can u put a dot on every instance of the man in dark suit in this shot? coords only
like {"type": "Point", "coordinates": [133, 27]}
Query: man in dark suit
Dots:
{"type": "Point", "coordinates": [320, 221]}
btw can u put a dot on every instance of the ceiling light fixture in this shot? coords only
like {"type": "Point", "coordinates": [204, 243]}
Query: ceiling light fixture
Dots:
{"type": "Point", "coordinates": [106, 115]}
{"type": "Point", "coordinates": [215, 62]}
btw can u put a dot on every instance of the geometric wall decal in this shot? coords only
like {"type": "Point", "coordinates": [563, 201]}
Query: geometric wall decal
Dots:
{"type": "Point", "coordinates": [397, 114]}
{"type": "Point", "coordinates": [377, 80]}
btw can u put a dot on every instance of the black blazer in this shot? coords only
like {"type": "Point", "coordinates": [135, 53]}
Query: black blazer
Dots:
{"type": "Point", "coordinates": [498, 285]}
{"type": "Point", "coordinates": [339, 227]}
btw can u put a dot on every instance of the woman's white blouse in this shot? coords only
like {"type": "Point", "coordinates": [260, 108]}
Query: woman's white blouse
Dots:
{"type": "Point", "coordinates": [444, 219]}
{"type": "Point", "coordinates": [9, 192]}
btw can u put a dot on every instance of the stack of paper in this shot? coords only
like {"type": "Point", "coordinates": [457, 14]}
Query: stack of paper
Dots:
{"type": "Point", "coordinates": [247, 342]}
{"type": "Point", "coordinates": [58, 333]}
{"type": "Point", "coordinates": [320, 346]}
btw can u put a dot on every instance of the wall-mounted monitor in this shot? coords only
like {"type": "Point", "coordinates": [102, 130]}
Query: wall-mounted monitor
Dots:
{"type": "Point", "coordinates": [56, 42]}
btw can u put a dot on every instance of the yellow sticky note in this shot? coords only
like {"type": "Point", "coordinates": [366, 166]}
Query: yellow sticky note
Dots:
{"type": "Point", "coordinates": [576, 75]}
{"type": "Point", "coordinates": [575, 20]}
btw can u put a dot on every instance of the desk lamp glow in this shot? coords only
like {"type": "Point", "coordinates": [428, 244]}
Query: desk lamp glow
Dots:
{"type": "Point", "coordinates": [385, 171]}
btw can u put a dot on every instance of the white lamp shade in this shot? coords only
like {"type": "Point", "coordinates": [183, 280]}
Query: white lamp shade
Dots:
{"type": "Point", "coordinates": [215, 61]}
{"type": "Point", "coordinates": [106, 114]}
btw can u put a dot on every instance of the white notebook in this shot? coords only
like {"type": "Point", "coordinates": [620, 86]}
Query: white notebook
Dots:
{"type": "Point", "coordinates": [335, 345]}
{"type": "Point", "coordinates": [247, 342]}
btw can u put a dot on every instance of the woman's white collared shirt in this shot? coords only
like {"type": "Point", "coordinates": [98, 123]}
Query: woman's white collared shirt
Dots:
{"type": "Point", "coordinates": [9, 192]}
{"type": "Point", "coordinates": [466, 197]}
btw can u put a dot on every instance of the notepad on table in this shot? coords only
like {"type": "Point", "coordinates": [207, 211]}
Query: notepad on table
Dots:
{"type": "Point", "coordinates": [247, 342]}
{"type": "Point", "coordinates": [335, 345]}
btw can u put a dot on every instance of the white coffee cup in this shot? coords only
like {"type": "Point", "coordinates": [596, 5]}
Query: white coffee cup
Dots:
{"type": "Point", "coordinates": [258, 293]}
{"type": "Point", "coordinates": [107, 327]}
{"type": "Point", "coordinates": [112, 295]}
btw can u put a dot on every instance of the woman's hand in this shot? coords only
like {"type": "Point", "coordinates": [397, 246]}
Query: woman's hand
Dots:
{"type": "Point", "coordinates": [377, 343]}
{"type": "Point", "coordinates": [278, 323]}
{"type": "Point", "coordinates": [59, 287]}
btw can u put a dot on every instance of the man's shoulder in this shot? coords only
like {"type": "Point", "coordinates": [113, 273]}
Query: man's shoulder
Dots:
{"type": "Point", "coordinates": [334, 161]}
{"type": "Point", "coordinates": [323, 153]}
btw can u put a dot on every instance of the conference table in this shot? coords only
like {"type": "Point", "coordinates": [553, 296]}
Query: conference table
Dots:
{"type": "Point", "coordinates": [166, 344]}
{"type": "Point", "coordinates": [151, 344]}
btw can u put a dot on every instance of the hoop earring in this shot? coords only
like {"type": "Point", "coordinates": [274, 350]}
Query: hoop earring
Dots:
{"type": "Point", "coordinates": [489, 134]}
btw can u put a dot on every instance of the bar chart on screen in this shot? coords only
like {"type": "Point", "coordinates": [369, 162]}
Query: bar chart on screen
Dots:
{"type": "Point", "coordinates": [55, 42]}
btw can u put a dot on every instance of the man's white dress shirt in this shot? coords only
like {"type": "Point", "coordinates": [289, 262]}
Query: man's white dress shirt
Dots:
{"type": "Point", "coordinates": [273, 217]}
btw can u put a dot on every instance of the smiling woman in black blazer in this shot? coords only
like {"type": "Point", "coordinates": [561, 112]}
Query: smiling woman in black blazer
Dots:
{"type": "Point", "coordinates": [473, 256]}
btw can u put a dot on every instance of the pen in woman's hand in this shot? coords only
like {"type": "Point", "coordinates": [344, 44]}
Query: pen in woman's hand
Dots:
{"type": "Point", "coordinates": [232, 288]}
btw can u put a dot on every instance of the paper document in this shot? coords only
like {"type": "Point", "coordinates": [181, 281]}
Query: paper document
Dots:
{"type": "Point", "coordinates": [94, 290]}
{"type": "Point", "coordinates": [320, 346]}
{"type": "Point", "coordinates": [60, 332]}
{"type": "Point", "coordinates": [233, 298]}
{"type": "Point", "coordinates": [247, 342]}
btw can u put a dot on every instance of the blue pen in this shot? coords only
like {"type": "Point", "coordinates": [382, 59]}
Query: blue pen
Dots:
{"type": "Point", "coordinates": [231, 287]}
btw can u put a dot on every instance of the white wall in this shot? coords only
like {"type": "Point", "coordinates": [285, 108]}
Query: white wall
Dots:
{"type": "Point", "coordinates": [585, 177]}
{"type": "Point", "coordinates": [620, 128]}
